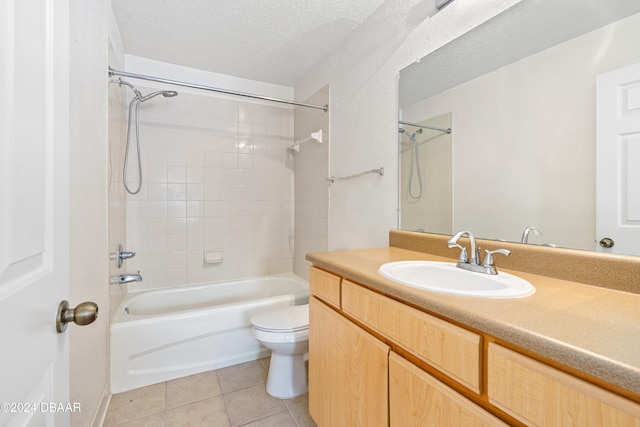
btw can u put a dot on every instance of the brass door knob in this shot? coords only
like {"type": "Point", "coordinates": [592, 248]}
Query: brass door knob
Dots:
{"type": "Point", "coordinates": [607, 242]}
{"type": "Point", "coordinates": [84, 314]}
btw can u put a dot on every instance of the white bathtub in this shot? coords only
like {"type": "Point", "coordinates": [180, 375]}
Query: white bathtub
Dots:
{"type": "Point", "coordinates": [169, 333]}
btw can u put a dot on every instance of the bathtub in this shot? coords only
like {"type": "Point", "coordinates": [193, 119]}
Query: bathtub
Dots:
{"type": "Point", "coordinates": [164, 334]}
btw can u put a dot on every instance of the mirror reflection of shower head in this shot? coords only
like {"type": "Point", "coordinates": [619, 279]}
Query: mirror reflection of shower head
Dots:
{"type": "Point", "coordinates": [412, 137]}
{"type": "Point", "coordinates": [415, 164]}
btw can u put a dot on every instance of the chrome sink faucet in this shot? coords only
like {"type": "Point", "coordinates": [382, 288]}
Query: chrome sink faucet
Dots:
{"type": "Point", "coordinates": [472, 263]}
{"type": "Point", "coordinates": [525, 234]}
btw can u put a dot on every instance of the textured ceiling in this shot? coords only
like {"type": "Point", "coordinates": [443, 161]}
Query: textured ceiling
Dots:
{"type": "Point", "coordinates": [273, 41]}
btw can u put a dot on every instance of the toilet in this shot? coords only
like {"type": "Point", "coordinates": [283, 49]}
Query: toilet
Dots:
{"type": "Point", "coordinates": [286, 332]}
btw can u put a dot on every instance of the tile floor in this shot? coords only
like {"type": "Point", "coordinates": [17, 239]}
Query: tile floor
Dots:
{"type": "Point", "coordinates": [228, 397]}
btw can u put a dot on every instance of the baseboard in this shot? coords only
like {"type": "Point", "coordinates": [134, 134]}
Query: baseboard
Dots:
{"type": "Point", "coordinates": [101, 412]}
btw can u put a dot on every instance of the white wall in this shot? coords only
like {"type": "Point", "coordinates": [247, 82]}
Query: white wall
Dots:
{"type": "Point", "coordinates": [217, 176]}
{"type": "Point", "coordinates": [362, 74]}
{"type": "Point", "coordinates": [91, 27]}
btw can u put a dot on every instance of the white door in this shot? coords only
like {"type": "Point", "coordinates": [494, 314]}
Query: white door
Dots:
{"type": "Point", "coordinates": [34, 115]}
{"type": "Point", "coordinates": [618, 161]}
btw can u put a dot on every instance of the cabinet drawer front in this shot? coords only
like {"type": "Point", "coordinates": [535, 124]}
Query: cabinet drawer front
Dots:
{"type": "Point", "coordinates": [325, 286]}
{"type": "Point", "coordinates": [418, 399]}
{"type": "Point", "coordinates": [538, 394]}
{"type": "Point", "coordinates": [446, 347]}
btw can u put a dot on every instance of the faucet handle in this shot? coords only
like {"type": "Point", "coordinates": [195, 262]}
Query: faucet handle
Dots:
{"type": "Point", "coordinates": [464, 257]}
{"type": "Point", "coordinates": [488, 259]}
{"type": "Point", "coordinates": [120, 255]}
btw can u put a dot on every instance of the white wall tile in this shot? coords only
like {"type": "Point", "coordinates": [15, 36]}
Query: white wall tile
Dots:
{"type": "Point", "coordinates": [205, 188]}
{"type": "Point", "coordinates": [157, 209]}
{"type": "Point", "coordinates": [311, 193]}
{"type": "Point", "coordinates": [195, 171]}
{"type": "Point", "coordinates": [176, 174]}
{"type": "Point", "coordinates": [176, 209]}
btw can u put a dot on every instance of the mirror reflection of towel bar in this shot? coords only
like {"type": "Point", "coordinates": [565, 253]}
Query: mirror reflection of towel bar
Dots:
{"type": "Point", "coordinates": [447, 130]}
{"type": "Point", "coordinates": [379, 171]}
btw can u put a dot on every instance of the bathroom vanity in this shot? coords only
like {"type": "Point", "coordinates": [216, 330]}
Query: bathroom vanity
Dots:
{"type": "Point", "coordinates": [384, 354]}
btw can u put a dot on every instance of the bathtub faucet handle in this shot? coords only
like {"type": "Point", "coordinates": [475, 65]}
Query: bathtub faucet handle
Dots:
{"type": "Point", "coordinates": [120, 255]}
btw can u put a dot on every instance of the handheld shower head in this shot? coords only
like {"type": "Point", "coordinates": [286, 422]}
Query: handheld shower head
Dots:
{"type": "Point", "coordinates": [136, 91]}
{"type": "Point", "coordinates": [134, 106]}
{"type": "Point", "coordinates": [165, 93]}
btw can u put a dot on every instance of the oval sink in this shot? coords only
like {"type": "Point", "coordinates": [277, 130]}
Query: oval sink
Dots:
{"type": "Point", "coordinates": [446, 277]}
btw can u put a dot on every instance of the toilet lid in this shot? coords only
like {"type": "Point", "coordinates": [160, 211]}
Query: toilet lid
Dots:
{"type": "Point", "coordinates": [292, 318]}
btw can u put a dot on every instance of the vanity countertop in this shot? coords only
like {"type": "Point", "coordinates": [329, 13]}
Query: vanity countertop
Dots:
{"type": "Point", "coordinates": [591, 329]}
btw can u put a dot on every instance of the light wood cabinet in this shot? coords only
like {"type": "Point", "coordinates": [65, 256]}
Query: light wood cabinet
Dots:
{"type": "Point", "coordinates": [355, 379]}
{"type": "Point", "coordinates": [447, 347]}
{"type": "Point", "coordinates": [348, 382]}
{"type": "Point", "coordinates": [325, 286]}
{"type": "Point", "coordinates": [540, 395]}
{"type": "Point", "coordinates": [418, 399]}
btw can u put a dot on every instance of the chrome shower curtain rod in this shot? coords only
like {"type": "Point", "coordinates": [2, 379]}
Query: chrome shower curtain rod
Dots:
{"type": "Point", "coordinates": [448, 130]}
{"type": "Point", "coordinates": [113, 72]}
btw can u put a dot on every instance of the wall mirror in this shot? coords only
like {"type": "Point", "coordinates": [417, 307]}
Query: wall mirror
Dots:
{"type": "Point", "coordinates": [519, 94]}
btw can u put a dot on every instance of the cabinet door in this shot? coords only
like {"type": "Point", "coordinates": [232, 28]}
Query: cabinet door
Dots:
{"type": "Point", "coordinates": [448, 348]}
{"type": "Point", "coordinates": [348, 372]}
{"type": "Point", "coordinates": [540, 395]}
{"type": "Point", "coordinates": [418, 399]}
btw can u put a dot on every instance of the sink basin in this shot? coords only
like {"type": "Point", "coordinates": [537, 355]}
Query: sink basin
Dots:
{"type": "Point", "coordinates": [446, 277]}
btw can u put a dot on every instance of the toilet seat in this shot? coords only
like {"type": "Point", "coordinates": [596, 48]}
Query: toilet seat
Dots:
{"type": "Point", "coordinates": [294, 318]}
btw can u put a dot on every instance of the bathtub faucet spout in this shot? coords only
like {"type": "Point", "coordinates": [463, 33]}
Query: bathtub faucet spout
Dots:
{"type": "Point", "coordinates": [126, 278]}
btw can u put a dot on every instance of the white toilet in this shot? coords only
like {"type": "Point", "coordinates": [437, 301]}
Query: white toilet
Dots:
{"type": "Point", "coordinates": [286, 332]}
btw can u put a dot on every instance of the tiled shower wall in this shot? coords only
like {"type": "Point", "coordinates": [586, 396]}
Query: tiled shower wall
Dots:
{"type": "Point", "coordinates": [312, 188]}
{"type": "Point", "coordinates": [217, 176]}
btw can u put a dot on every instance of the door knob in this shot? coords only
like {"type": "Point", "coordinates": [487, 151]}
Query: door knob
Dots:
{"type": "Point", "coordinates": [607, 242]}
{"type": "Point", "coordinates": [84, 314]}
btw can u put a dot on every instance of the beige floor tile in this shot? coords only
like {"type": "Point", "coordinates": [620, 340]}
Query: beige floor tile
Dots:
{"type": "Point", "coordinates": [209, 413]}
{"type": "Point", "coordinates": [301, 415]}
{"type": "Point", "coordinates": [265, 362]}
{"type": "Point", "coordinates": [251, 404]}
{"type": "Point", "coordinates": [135, 404]}
{"type": "Point", "coordinates": [156, 420]}
{"type": "Point", "coordinates": [191, 389]}
{"type": "Point", "coordinates": [197, 400]}
{"type": "Point", "coordinates": [241, 376]}
{"type": "Point", "coordinates": [281, 419]}
{"type": "Point", "coordinates": [297, 401]}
